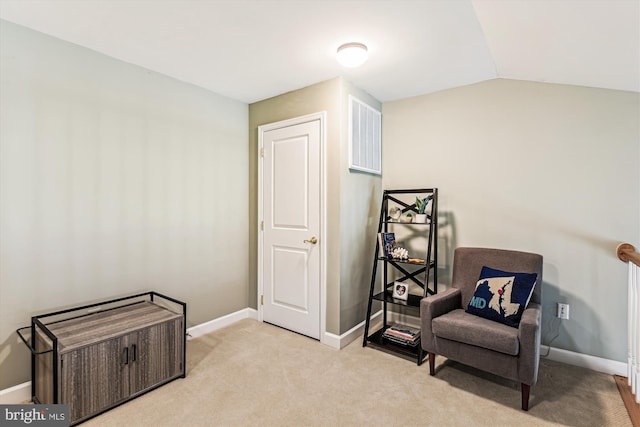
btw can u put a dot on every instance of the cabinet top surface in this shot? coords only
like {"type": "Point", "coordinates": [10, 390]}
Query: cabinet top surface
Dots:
{"type": "Point", "coordinates": [101, 326]}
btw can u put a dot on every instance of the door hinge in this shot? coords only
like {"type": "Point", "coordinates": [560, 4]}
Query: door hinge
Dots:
{"type": "Point", "coordinates": [261, 299]}
{"type": "Point", "coordinates": [262, 152]}
{"type": "Point", "coordinates": [262, 225]}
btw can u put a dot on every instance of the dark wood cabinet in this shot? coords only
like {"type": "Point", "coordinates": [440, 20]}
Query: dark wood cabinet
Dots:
{"type": "Point", "coordinates": [154, 355]}
{"type": "Point", "coordinates": [93, 362]}
{"type": "Point", "coordinates": [92, 378]}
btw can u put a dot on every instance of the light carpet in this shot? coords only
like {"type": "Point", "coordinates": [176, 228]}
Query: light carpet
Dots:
{"type": "Point", "coordinates": [256, 374]}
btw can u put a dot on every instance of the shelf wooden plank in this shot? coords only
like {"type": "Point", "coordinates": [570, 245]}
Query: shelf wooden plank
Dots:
{"type": "Point", "coordinates": [400, 261]}
{"type": "Point", "coordinates": [412, 301]}
{"type": "Point", "coordinates": [410, 223]}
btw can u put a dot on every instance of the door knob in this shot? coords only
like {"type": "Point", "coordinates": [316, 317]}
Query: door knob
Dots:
{"type": "Point", "coordinates": [313, 240]}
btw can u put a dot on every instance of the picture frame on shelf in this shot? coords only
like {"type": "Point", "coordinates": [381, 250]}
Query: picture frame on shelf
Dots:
{"type": "Point", "coordinates": [400, 291]}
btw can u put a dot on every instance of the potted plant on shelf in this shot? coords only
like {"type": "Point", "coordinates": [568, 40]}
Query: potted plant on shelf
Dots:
{"type": "Point", "coordinates": [421, 205]}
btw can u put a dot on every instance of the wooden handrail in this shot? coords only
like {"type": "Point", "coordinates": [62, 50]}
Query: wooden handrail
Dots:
{"type": "Point", "coordinates": [627, 252]}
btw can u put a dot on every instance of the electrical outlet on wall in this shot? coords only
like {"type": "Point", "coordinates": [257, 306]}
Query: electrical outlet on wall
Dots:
{"type": "Point", "coordinates": [563, 311]}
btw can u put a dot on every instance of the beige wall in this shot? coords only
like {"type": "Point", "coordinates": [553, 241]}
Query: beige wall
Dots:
{"type": "Point", "coordinates": [350, 197]}
{"type": "Point", "coordinates": [113, 180]}
{"type": "Point", "coordinates": [360, 197]}
{"type": "Point", "coordinates": [312, 99]}
{"type": "Point", "coordinates": [537, 167]}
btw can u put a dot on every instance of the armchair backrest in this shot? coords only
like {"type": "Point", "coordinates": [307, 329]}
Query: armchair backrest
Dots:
{"type": "Point", "coordinates": [468, 262]}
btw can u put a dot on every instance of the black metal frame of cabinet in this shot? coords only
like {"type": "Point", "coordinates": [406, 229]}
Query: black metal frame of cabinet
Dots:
{"type": "Point", "coordinates": [376, 339]}
{"type": "Point", "coordinates": [82, 311]}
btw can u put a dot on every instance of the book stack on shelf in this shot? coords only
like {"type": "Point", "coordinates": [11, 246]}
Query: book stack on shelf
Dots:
{"type": "Point", "coordinates": [403, 335]}
{"type": "Point", "coordinates": [386, 243]}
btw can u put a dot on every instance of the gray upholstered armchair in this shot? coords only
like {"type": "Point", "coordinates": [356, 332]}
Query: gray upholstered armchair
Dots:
{"type": "Point", "coordinates": [450, 331]}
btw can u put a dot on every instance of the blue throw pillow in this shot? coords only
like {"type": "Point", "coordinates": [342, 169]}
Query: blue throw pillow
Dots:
{"type": "Point", "coordinates": [502, 296]}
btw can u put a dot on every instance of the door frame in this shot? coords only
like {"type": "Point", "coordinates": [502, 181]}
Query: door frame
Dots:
{"type": "Point", "coordinates": [322, 117]}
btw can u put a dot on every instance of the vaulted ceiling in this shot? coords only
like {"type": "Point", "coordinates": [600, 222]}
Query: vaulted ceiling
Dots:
{"type": "Point", "coordinates": [254, 49]}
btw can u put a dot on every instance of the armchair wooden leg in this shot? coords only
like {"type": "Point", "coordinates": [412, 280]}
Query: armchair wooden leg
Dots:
{"type": "Point", "coordinates": [432, 363]}
{"type": "Point", "coordinates": [525, 396]}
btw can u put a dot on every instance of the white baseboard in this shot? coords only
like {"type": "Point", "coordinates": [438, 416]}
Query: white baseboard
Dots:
{"type": "Point", "coordinates": [16, 394]}
{"type": "Point", "coordinates": [341, 341]}
{"type": "Point", "coordinates": [22, 392]}
{"type": "Point", "coordinates": [221, 322]}
{"type": "Point", "coordinates": [607, 366]}
{"type": "Point", "coordinates": [594, 363]}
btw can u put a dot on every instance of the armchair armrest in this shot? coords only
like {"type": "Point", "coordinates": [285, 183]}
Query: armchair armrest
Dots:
{"type": "Point", "coordinates": [529, 336]}
{"type": "Point", "coordinates": [432, 307]}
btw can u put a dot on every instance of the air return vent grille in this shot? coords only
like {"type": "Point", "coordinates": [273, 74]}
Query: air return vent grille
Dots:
{"type": "Point", "coordinates": [365, 148]}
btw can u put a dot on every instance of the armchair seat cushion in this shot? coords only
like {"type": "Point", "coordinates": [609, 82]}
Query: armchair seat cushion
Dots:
{"type": "Point", "coordinates": [458, 325]}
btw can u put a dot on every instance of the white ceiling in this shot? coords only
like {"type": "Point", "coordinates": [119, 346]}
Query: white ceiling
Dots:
{"type": "Point", "coordinates": [254, 49]}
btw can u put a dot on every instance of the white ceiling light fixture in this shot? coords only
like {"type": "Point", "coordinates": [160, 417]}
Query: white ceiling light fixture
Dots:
{"type": "Point", "coordinates": [352, 54]}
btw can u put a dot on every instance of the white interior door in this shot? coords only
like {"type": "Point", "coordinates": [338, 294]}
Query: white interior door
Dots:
{"type": "Point", "coordinates": [291, 249]}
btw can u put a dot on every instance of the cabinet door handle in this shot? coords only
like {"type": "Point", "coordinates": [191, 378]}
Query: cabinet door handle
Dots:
{"type": "Point", "coordinates": [134, 348]}
{"type": "Point", "coordinates": [125, 355]}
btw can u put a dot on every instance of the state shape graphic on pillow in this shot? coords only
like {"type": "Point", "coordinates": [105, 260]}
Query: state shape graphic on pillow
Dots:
{"type": "Point", "coordinates": [502, 296]}
{"type": "Point", "coordinates": [495, 293]}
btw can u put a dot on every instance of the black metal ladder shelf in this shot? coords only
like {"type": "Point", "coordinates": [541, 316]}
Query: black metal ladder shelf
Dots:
{"type": "Point", "coordinates": [421, 272]}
